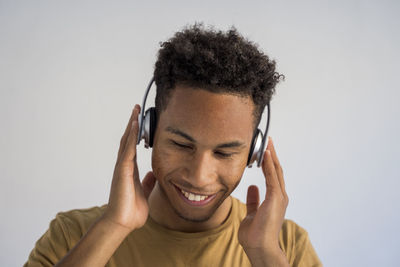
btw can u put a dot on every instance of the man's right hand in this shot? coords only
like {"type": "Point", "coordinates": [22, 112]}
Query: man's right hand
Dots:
{"type": "Point", "coordinates": [127, 205]}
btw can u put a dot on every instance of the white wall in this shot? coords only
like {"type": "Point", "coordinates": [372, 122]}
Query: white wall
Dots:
{"type": "Point", "coordinates": [71, 71]}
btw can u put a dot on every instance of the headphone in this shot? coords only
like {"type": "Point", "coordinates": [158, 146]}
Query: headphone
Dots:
{"type": "Point", "coordinates": [148, 125]}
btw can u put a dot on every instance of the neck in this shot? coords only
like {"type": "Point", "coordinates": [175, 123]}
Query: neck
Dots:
{"type": "Point", "coordinates": [160, 211]}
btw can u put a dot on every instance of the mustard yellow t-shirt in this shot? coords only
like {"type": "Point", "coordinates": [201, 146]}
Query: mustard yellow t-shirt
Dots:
{"type": "Point", "coordinates": [155, 245]}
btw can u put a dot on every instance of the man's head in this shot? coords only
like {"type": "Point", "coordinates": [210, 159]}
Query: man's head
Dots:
{"type": "Point", "coordinates": [211, 90]}
{"type": "Point", "coordinates": [215, 61]}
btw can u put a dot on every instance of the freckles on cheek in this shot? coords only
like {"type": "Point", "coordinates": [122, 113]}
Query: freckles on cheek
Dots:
{"type": "Point", "coordinates": [234, 175]}
{"type": "Point", "coordinates": [234, 180]}
{"type": "Point", "coordinates": [162, 162]}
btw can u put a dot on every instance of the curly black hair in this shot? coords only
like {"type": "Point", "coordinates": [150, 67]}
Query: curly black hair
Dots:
{"type": "Point", "coordinates": [221, 62]}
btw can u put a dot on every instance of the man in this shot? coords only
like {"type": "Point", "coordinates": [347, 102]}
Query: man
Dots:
{"type": "Point", "coordinates": [212, 88]}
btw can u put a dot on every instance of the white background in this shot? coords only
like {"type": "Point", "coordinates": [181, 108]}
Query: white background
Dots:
{"type": "Point", "coordinates": [71, 71]}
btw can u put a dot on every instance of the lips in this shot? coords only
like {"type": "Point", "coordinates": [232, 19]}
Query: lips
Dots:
{"type": "Point", "coordinates": [194, 199]}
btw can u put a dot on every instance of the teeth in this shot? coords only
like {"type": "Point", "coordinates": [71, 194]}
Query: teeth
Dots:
{"type": "Point", "coordinates": [193, 197]}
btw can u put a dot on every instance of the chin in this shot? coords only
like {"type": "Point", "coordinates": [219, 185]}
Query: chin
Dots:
{"type": "Point", "coordinates": [193, 218]}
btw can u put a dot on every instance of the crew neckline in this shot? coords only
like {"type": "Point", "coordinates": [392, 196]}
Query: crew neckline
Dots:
{"type": "Point", "coordinates": [153, 225]}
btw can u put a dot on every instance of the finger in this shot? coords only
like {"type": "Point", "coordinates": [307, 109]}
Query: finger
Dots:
{"type": "Point", "coordinates": [126, 132]}
{"type": "Point", "coordinates": [277, 164]}
{"type": "Point", "coordinates": [271, 147]}
{"type": "Point", "coordinates": [148, 184]}
{"type": "Point", "coordinates": [129, 152]}
{"type": "Point", "coordinates": [271, 178]}
{"type": "Point", "coordinates": [253, 200]}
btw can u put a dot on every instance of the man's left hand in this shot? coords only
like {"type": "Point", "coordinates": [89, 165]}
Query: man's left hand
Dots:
{"type": "Point", "coordinates": [259, 230]}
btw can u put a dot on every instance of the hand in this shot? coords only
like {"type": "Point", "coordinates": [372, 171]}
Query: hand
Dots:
{"type": "Point", "coordinates": [259, 230]}
{"type": "Point", "coordinates": [127, 205]}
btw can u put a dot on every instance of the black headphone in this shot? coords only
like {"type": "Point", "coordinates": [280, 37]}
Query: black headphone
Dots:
{"type": "Point", "coordinates": [148, 124]}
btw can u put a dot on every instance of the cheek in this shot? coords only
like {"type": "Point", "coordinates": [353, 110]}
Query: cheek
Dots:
{"type": "Point", "coordinates": [162, 162]}
{"type": "Point", "coordinates": [232, 176]}
{"type": "Point", "coordinates": [231, 172]}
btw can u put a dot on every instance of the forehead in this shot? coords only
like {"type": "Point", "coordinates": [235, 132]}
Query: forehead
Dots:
{"type": "Point", "coordinates": [207, 115]}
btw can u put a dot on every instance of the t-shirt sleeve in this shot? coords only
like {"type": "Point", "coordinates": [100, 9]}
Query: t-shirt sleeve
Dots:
{"type": "Point", "coordinates": [52, 246]}
{"type": "Point", "coordinates": [296, 243]}
{"type": "Point", "coordinates": [306, 255]}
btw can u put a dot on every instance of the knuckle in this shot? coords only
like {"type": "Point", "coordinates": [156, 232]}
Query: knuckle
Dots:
{"type": "Point", "coordinates": [126, 166]}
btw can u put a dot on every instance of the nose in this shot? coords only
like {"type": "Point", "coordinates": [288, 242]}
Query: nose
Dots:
{"type": "Point", "coordinates": [202, 169]}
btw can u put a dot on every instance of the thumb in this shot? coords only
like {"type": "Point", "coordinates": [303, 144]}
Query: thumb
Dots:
{"type": "Point", "coordinates": [148, 183]}
{"type": "Point", "coordinates": [253, 200]}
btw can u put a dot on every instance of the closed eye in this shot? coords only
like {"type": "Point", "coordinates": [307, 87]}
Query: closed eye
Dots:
{"type": "Point", "coordinates": [218, 153]}
{"type": "Point", "coordinates": [180, 145]}
{"type": "Point", "coordinates": [224, 155]}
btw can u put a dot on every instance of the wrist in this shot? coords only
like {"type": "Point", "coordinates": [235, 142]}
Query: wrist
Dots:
{"type": "Point", "coordinates": [114, 227]}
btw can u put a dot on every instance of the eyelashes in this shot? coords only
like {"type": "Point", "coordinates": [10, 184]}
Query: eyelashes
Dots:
{"type": "Point", "coordinates": [181, 145]}
{"type": "Point", "coordinates": [188, 147]}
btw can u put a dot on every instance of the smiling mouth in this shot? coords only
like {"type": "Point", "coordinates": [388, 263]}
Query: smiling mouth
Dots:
{"type": "Point", "coordinates": [194, 199]}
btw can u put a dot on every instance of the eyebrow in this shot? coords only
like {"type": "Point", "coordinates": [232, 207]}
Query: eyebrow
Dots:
{"type": "Point", "coordinates": [234, 144]}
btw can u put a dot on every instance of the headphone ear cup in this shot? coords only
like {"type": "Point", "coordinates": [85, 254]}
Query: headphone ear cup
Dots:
{"type": "Point", "coordinates": [153, 125]}
{"type": "Point", "coordinates": [255, 147]}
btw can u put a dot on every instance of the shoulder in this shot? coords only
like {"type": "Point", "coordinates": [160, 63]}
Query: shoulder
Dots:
{"type": "Point", "coordinates": [239, 209]}
{"type": "Point", "coordinates": [82, 215]}
{"type": "Point", "coordinates": [290, 232]}
{"type": "Point", "coordinates": [293, 239]}
{"type": "Point", "coordinates": [295, 242]}
{"type": "Point", "coordinates": [289, 227]}
{"type": "Point", "coordinates": [75, 223]}
{"type": "Point", "coordinates": [293, 230]}
{"type": "Point", "coordinates": [292, 235]}
{"type": "Point", "coordinates": [64, 231]}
